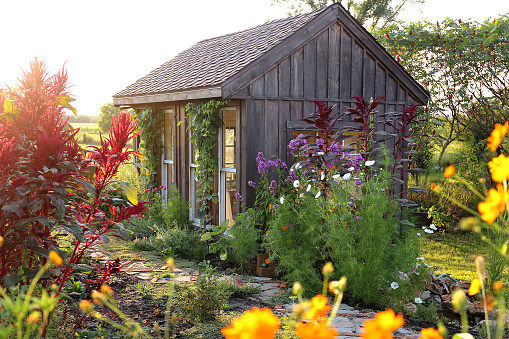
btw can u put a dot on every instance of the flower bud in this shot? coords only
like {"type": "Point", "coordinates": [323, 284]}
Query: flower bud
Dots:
{"type": "Point", "coordinates": [2, 241]}
{"type": "Point", "coordinates": [459, 300]}
{"type": "Point", "coordinates": [55, 258]}
{"type": "Point", "coordinates": [86, 306]}
{"type": "Point", "coordinates": [297, 288]}
{"type": "Point", "coordinates": [170, 264]}
{"type": "Point", "coordinates": [97, 297]}
{"type": "Point", "coordinates": [498, 286]}
{"type": "Point", "coordinates": [328, 269]}
{"type": "Point", "coordinates": [470, 224]}
{"type": "Point", "coordinates": [480, 265]}
{"type": "Point", "coordinates": [105, 289]}
{"type": "Point", "coordinates": [34, 317]}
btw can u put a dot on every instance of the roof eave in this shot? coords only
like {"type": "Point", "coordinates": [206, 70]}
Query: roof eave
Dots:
{"type": "Point", "coordinates": [183, 95]}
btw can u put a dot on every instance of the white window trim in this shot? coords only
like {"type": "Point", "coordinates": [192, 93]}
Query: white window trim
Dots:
{"type": "Point", "coordinates": [192, 186]}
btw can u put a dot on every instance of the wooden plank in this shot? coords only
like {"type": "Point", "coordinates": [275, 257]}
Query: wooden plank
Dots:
{"type": "Point", "coordinates": [309, 109]}
{"type": "Point", "coordinates": [257, 87]}
{"type": "Point", "coordinates": [271, 83]}
{"type": "Point", "coordinates": [253, 144]}
{"type": "Point", "coordinates": [402, 93]}
{"type": "Point", "coordinates": [296, 108]}
{"type": "Point", "coordinates": [297, 74]}
{"type": "Point", "coordinates": [284, 133]}
{"type": "Point", "coordinates": [271, 129]}
{"type": "Point", "coordinates": [357, 64]}
{"type": "Point", "coordinates": [181, 172]}
{"type": "Point", "coordinates": [322, 51]}
{"type": "Point", "coordinates": [380, 81]}
{"type": "Point", "coordinates": [241, 160]}
{"type": "Point", "coordinates": [369, 76]}
{"type": "Point", "coordinates": [392, 89]}
{"type": "Point", "coordinates": [284, 78]}
{"type": "Point", "coordinates": [310, 69]}
{"type": "Point", "coordinates": [334, 64]}
{"type": "Point", "coordinates": [346, 65]}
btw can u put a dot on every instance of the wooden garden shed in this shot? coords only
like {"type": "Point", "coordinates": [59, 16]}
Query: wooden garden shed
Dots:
{"type": "Point", "coordinates": [270, 73]}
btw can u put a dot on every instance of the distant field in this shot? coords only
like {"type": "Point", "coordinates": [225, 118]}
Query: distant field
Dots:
{"type": "Point", "coordinates": [89, 127]}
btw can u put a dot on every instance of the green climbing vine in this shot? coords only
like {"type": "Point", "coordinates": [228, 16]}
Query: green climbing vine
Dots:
{"type": "Point", "coordinates": [150, 121]}
{"type": "Point", "coordinates": [204, 122]}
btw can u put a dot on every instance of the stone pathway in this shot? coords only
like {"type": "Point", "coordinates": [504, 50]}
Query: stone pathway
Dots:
{"type": "Point", "coordinates": [348, 320]}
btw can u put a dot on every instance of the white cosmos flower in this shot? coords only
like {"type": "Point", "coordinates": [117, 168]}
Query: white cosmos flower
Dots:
{"type": "Point", "coordinates": [321, 153]}
{"type": "Point", "coordinates": [347, 176]}
{"type": "Point", "coordinates": [427, 230]}
{"type": "Point", "coordinates": [423, 227]}
{"type": "Point", "coordinates": [351, 169]}
{"type": "Point", "coordinates": [394, 285]}
{"type": "Point", "coordinates": [282, 200]}
{"type": "Point", "coordinates": [420, 258]}
{"type": "Point", "coordinates": [318, 194]}
{"type": "Point", "coordinates": [296, 183]}
{"type": "Point", "coordinates": [433, 227]}
{"type": "Point", "coordinates": [418, 300]}
{"type": "Point", "coordinates": [370, 163]}
{"type": "Point", "coordinates": [322, 176]}
{"type": "Point", "coordinates": [336, 176]}
{"type": "Point", "coordinates": [427, 265]}
{"type": "Point", "coordinates": [308, 188]}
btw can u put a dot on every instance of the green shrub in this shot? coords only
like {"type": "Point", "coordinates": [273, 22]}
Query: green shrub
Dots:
{"type": "Point", "coordinates": [244, 239]}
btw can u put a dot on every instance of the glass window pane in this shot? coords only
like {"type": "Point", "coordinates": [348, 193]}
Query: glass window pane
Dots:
{"type": "Point", "coordinates": [230, 201]}
{"type": "Point", "coordinates": [196, 212]}
{"type": "Point", "coordinates": [170, 175]}
{"type": "Point", "coordinates": [229, 139]}
{"type": "Point", "coordinates": [168, 136]}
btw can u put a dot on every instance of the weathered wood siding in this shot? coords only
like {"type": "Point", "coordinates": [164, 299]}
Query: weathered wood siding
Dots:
{"type": "Point", "coordinates": [332, 66]}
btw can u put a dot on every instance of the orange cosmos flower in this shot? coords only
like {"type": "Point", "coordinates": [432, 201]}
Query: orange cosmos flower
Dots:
{"type": "Point", "coordinates": [449, 171]}
{"type": "Point", "coordinates": [267, 261]}
{"type": "Point", "coordinates": [475, 287]}
{"type": "Point", "coordinates": [53, 256]}
{"type": "Point", "coordinates": [383, 325]}
{"type": "Point", "coordinates": [430, 333]}
{"type": "Point", "coordinates": [497, 134]}
{"type": "Point", "coordinates": [315, 330]}
{"type": "Point", "coordinates": [253, 324]}
{"type": "Point", "coordinates": [498, 286]}
{"type": "Point", "coordinates": [86, 306]}
{"type": "Point", "coordinates": [494, 204]}
{"type": "Point", "coordinates": [318, 308]}
{"type": "Point", "coordinates": [285, 228]}
{"type": "Point", "coordinates": [499, 168]}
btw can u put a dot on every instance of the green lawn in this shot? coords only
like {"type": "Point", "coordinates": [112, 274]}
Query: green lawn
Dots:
{"type": "Point", "coordinates": [453, 253]}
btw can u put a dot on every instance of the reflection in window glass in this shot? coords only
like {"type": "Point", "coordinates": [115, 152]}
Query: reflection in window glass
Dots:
{"type": "Point", "coordinates": [231, 202]}
{"type": "Point", "coordinates": [229, 139]}
{"type": "Point", "coordinates": [168, 136]}
{"type": "Point", "coordinates": [197, 213]}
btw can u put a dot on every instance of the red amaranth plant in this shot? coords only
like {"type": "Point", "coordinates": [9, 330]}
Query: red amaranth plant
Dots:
{"type": "Point", "coordinates": [48, 183]}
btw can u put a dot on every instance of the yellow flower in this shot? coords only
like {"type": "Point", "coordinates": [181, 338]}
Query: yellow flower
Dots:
{"type": "Point", "coordinates": [498, 286]}
{"type": "Point", "coordinates": [318, 308]}
{"type": "Point", "coordinates": [105, 289]}
{"type": "Point", "coordinates": [383, 325]}
{"type": "Point", "coordinates": [337, 286]}
{"type": "Point", "coordinates": [499, 168]}
{"type": "Point", "coordinates": [53, 256]}
{"type": "Point", "coordinates": [449, 171]}
{"type": "Point", "coordinates": [494, 204]}
{"type": "Point", "coordinates": [475, 287]}
{"type": "Point", "coordinates": [97, 297]}
{"type": "Point", "coordinates": [253, 324]}
{"type": "Point", "coordinates": [430, 333]}
{"type": "Point", "coordinates": [497, 134]}
{"type": "Point", "coordinates": [315, 330]}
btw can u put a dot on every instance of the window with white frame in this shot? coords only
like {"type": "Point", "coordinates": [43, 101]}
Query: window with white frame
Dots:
{"type": "Point", "coordinates": [167, 163]}
{"type": "Point", "coordinates": [194, 205]}
{"type": "Point", "coordinates": [227, 165]}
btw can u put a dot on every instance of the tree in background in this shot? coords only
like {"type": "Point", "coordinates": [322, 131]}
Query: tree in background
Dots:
{"type": "Point", "coordinates": [108, 111]}
{"type": "Point", "coordinates": [369, 13]}
{"type": "Point", "coordinates": [465, 68]}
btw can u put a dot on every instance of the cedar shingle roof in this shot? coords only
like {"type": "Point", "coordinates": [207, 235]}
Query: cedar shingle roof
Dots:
{"type": "Point", "coordinates": [212, 61]}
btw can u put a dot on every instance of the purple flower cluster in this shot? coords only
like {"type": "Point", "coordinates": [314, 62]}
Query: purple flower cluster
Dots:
{"type": "Point", "coordinates": [273, 187]}
{"type": "Point", "coordinates": [299, 147]}
{"type": "Point", "coordinates": [260, 162]}
{"type": "Point", "coordinates": [251, 183]}
{"type": "Point", "coordinates": [292, 176]}
{"type": "Point", "coordinates": [238, 196]}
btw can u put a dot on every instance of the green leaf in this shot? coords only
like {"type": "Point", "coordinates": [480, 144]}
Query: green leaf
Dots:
{"type": "Point", "coordinates": [87, 185]}
{"type": "Point", "coordinates": [10, 107]}
{"type": "Point", "coordinates": [81, 267]}
{"type": "Point", "coordinates": [223, 255]}
{"type": "Point", "coordinates": [65, 100]}
{"type": "Point", "coordinates": [206, 236]}
{"type": "Point", "coordinates": [13, 207]}
{"type": "Point", "coordinates": [11, 279]}
{"type": "Point", "coordinates": [129, 191]}
{"type": "Point", "coordinates": [75, 230]}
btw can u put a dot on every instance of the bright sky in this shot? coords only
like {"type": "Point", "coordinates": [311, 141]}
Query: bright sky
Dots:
{"type": "Point", "coordinates": [106, 45]}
